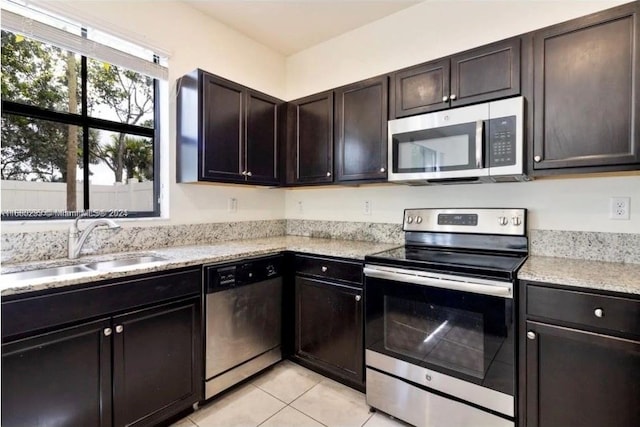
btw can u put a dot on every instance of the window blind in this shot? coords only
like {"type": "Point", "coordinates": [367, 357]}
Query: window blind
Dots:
{"type": "Point", "coordinates": [66, 40]}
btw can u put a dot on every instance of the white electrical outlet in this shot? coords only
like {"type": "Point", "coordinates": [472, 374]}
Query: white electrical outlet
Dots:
{"type": "Point", "coordinates": [232, 205]}
{"type": "Point", "coordinates": [367, 207]}
{"type": "Point", "coordinates": [300, 207]}
{"type": "Point", "coordinates": [619, 208]}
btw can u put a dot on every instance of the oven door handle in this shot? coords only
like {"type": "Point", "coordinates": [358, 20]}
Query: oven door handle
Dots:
{"type": "Point", "coordinates": [476, 288]}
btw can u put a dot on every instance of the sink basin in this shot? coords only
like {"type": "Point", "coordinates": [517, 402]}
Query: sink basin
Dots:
{"type": "Point", "coordinates": [44, 272]}
{"type": "Point", "coordinates": [126, 262]}
{"type": "Point", "coordinates": [97, 266]}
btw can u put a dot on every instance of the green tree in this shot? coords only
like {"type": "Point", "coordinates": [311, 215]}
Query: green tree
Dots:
{"type": "Point", "coordinates": [33, 149]}
{"type": "Point", "coordinates": [38, 74]}
{"type": "Point", "coordinates": [128, 95]}
{"type": "Point", "coordinates": [137, 158]}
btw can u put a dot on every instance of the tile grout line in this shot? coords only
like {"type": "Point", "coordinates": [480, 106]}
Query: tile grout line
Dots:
{"type": "Point", "coordinates": [307, 415]}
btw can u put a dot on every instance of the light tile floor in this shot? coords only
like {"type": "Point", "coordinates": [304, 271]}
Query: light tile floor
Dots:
{"type": "Point", "coordinates": [289, 395]}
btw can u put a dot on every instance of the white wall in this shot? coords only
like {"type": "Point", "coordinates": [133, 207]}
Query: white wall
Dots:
{"type": "Point", "coordinates": [193, 40]}
{"type": "Point", "coordinates": [554, 204]}
{"type": "Point", "coordinates": [430, 30]}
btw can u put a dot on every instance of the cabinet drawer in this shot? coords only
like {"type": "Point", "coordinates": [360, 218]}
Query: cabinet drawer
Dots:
{"type": "Point", "coordinates": [31, 314]}
{"type": "Point", "coordinates": [328, 268]}
{"type": "Point", "coordinates": [582, 308]}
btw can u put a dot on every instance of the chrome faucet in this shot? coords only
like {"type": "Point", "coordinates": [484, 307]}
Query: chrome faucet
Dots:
{"type": "Point", "coordinates": [77, 238]}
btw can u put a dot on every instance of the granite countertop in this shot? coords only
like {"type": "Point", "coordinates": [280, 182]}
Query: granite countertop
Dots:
{"type": "Point", "coordinates": [185, 256]}
{"type": "Point", "coordinates": [598, 275]}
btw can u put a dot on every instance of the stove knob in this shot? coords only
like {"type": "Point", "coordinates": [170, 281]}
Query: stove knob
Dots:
{"type": "Point", "coordinates": [502, 220]}
{"type": "Point", "coordinates": [418, 220]}
{"type": "Point", "coordinates": [516, 221]}
{"type": "Point", "coordinates": [410, 219]}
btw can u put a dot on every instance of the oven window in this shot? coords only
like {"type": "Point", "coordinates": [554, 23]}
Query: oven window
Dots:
{"type": "Point", "coordinates": [447, 337]}
{"type": "Point", "coordinates": [465, 335]}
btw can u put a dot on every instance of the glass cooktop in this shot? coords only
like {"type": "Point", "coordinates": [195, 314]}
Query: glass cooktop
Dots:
{"type": "Point", "coordinates": [451, 261]}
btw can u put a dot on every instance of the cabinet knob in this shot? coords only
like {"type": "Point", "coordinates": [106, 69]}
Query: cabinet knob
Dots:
{"type": "Point", "coordinates": [453, 97]}
{"type": "Point", "coordinates": [445, 98]}
{"type": "Point", "coordinates": [531, 335]}
{"type": "Point", "coordinates": [324, 268]}
{"type": "Point", "coordinates": [358, 297]}
{"type": "Point", "coordinates": [328, 173]}
{"type": "Point", "coordinates": [537, 159]}
{"type": "Point", "coordinates": [107, 332]}
{"type": "Point", "coordinates": [598, 312]}
{"type": "Point", "coordinates": [382, 170]}
{"type": "Point", "coordinates": [249, 173]}
{"type": "Point", "coordinates": [119, 329]}
{"type": "Point", "coordinates": [244, 173]}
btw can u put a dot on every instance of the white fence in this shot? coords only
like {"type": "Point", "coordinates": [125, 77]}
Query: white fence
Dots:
{"type": "Point", "coordinates": [21, 195]}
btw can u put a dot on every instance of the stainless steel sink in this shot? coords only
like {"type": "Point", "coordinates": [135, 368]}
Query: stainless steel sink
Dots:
{"type": "Point", "coordinates": [125, 262]}
{"type": "Point", "coordinates": [97, 266]}
{"type": "Point", "coordinates": [45, 272]}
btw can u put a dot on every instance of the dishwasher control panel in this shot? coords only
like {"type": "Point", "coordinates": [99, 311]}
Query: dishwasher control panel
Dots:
{"type": "Point", "coordinates": [245, 272]}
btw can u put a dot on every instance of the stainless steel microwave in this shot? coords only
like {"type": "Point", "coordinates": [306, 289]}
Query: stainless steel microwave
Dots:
{"type": "Point", "coordinates": [478, 143]}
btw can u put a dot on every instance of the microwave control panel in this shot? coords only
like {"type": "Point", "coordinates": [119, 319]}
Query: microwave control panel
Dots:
{"type": "Point", "coordinates": [502, 141]}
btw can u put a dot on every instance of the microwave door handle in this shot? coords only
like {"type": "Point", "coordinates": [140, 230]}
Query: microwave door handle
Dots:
{"type": "Point", "coordinates": [479, 144]}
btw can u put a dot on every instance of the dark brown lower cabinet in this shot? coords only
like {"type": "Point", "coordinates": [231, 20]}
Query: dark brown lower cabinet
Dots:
{"type": "Point", "coordinates": [61, 378]}
{"type": "Point", "coordinates": [576, 378]}
{"type": "Point", "coordinates": [329, 328]}
{"type": "Point", "coordinates": [155, 362]}
{"type": "Point", "coordinates": [133, 369]}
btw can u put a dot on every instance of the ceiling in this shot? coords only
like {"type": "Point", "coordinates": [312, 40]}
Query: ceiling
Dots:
{"type": "Point", "coordinates": [289, 26]}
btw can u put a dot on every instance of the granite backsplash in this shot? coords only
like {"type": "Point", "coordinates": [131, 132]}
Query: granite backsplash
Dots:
{"type": "Point", "coordinates": [47, 245]}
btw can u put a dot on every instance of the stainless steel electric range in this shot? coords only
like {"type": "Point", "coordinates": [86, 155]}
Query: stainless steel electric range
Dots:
{"type": "Point", "coordinates": [440, 318]}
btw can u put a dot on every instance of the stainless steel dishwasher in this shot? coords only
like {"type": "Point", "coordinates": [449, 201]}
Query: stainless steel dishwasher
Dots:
{"type": "Point", "coordinates": [243, 312]}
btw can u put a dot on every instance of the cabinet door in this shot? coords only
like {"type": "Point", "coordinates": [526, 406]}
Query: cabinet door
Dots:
{"type": "Point", "coordinates": [62, 378]}
{"type": "Point", "coordinates": [587, 93]}
{"type": "Point", "coordinates": [486, 73]}
{"type": "Point", "coordinates": [157, 362]}
{"type": "Point", "coordinates": [421, 89]}
{"type": "Point", "coordinates": [223, 118]}
{"type": "Point", "coordinates": [261, 164]}
{"type": "Point", "coordinates": [310, 158]}
{"type": "Point", "coordinates": [329, 326]}
{"type": "Point", "coordinates": [361, 130]}
{"type": "Point", "coordinates": [576, 378]}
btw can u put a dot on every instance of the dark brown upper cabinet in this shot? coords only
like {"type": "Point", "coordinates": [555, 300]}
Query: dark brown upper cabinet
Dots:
{"type": "Point", "coordinates": [482, 74]}
{"type": "Point", "coordinates": [361, 115]}
{"type": "Point", "coordinates": [310, 140]}
{"type": "Point", "coordinates": [226, 132]}
{"type": "Point", "coordinates": [587, 94]}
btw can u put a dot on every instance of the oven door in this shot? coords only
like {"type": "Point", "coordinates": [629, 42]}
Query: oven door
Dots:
{"type": "Point", "coordinates": [446, 333]}
{"type": "Point", "coordinates": [442, 145]}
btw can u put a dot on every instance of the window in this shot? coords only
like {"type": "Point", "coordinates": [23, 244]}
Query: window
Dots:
{"type": "Point", "coordinates": [79, 120]}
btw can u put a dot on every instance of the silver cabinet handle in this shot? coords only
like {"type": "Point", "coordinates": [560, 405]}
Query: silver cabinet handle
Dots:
{"type": "Point", "coordinates": [445, 98]}
{"type": "Point", "coordinates": [107, 332]}
{"type": "Point", "coordinates": [249, 173]}
{"type": "Point", "coordinates": [531, 335]}
{"type": "Point", "coordinates": [382, 170]}
{"type": "Point", "coordinates": [453, 96]}
{"type": "Point", "coordinates": [328, 173]}
{"type": "Point", "coordinates": [324, 268]}
{"type": "Point", "coordinates": [119, 329]}
{"type": "Point", "coordinates": [358, 297]}
{"type": "Point", "coordinates": [244, 173]}
{"type": "Point", "coordinates": [598, 312]}
{"type": "Point", "coordinates": [537, 159]}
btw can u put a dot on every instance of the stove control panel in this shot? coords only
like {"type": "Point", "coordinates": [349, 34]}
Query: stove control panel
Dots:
{"type": "Point", "coordinates": [464, 220]}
